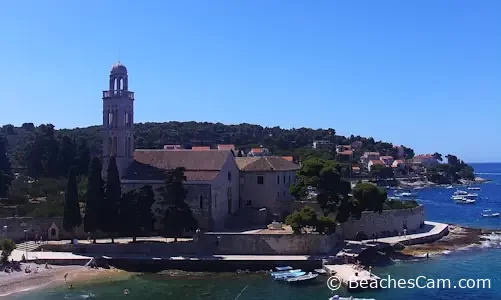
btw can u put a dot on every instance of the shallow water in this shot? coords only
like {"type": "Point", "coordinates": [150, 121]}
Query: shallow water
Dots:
{"type": "Point", "coordinates": [478, 263]}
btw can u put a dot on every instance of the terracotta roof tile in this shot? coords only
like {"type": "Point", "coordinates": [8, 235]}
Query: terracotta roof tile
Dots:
{"type": "Point", "coordinates": [288, 158]}
{"type": "Point", "coordinates": [226, 147]}
{"type": "Point", "coordinates": [264, 164]}
{"type": "Point", "coordinates": [386, 157]}
{"type": "Point", "coordinates": [257, 150]}
{"type": "Point", "coordinates": [200, 148]}
{"type": "Point", "coordinates": [377, 162]}
{"type": "Point", "coordinates": [347, 152]}
{"type": "Point", "coordinates": [199, 165]}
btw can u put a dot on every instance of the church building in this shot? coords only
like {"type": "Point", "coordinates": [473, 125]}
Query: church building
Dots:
{"type": "Point", "coordinates": [213, 177]}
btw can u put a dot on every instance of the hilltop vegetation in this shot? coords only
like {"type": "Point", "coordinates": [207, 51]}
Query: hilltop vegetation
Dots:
{"type": "Point", "coordinates": [279, 141]}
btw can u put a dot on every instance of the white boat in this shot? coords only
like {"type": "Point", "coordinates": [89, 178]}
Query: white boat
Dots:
{"type": "Point", "coordinates": [465, 201]}
{"type": "Point", "coordinates": [394, 198]}
{"type": "Point", "coordinates": [281, 273]}
{"type": "Point", "coordinates": [284, 268]}
{"type": "Point", "coordinates": [406, 194]}
{"type": "Point", "coordinates": [285, 277]}
{"type": "Point", "coordinates": [336, 297]}
{"type": "Point", "coordinates": [494, 215]}
{"type": "Point", "coordinates": [473, 188]}
{"type": "Point", "coordinates": [449, 187]}
{"type": "Point", "coordinates": [460, 192]}
{"type": "Point", "coordinates": [467, 196]}
{"type": "Point", "coordinates": [302, 279]}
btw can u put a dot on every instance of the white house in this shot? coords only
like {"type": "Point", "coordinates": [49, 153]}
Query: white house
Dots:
{"type": "Point", "coordinates": [258, 152]}
{"type": "Point", "coordinates": [399, 163]}
{"type": "Point", "coordinates": [368, 156]}
{"type": "Point", "coordinates": [375, 162]}
{"type": "Point", "coordinates": [387, 160]}
{"type": "Point", "coordinates": [425, 159]}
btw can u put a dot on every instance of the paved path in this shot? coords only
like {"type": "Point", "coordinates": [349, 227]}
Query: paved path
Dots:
{"type": "Point", "coordinates": [436, 230]}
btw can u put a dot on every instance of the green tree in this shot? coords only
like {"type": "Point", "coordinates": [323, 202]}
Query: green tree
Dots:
{"type": "Point", "coordinates": [146, 198]}
{"type": "Point", "coordinates": [95, 197]}
{"type": "Point", "coordinates": [42, 154]}
{"type": "Point", "coordinates": [71, 217]}
{"type": "Point", "coordinates": [437, 156]}
{"type": "Point", "coordinates": [178, 217]}
{"type": "Point", "coordinates": [109, 221]}
{"type": "Point", "coordinates": [369, 197]}
{"type": "Point", "coordinates": [382, 172]}
{"type": "Point", "coordinates": [66, 156]}
{"type": "Point", "coordinates": [5, 170]}
{"type": "Point", "coordinates": [7, 247]}
{"type": "Point", "coordinates": [83, 156]}
{"type": "Point", "coordinates": [326, 225]}
{"type": "Point", "coordinates": [129, 214]}
{"type": "Point", "coordinates": [324, 177]}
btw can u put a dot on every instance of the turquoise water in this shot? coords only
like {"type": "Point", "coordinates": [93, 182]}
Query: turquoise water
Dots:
{"type": "Point", "coordinates": [479, 263]}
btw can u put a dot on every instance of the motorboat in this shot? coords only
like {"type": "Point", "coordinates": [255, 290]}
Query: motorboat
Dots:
{"type": "Point", "coordinates": [394, 198]}
{"type": "Point", "coordinates": [285, 277]}
{"type": "Point", "coordinates": [320, 271]}
{"type": "Point", "coordinates": [490, 215]}
{"type": "Point", "coordinates": [449, 187]}
{"type": "Point", "coordinates": [336, 297]}
{"type": "Point", "coordinates": [284, 268]}
{"type": "Point", "coordinates": [280, 273]}
{"type": "Point", "coordinates": [460, 192]}
{"type": "Point", "coordinates": [304, 278]}
{"type": "Point", "coordinates": [474, 188]}
{"type": "Point", "coordinates": [467, 196]}
{"type": "Point", "coordinates": [406, 194]}
{"type": "Point", "coordinates": [466, 201]}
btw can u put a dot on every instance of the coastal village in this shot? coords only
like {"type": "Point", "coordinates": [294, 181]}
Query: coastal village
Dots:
{"type": "Point", "coordinates": [245, 206]}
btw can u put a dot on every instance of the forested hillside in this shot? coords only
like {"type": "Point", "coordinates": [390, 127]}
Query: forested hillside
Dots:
{"type": "Point", "coordinates": [154, 135]}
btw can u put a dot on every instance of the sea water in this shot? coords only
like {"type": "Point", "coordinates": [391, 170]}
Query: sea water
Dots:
{"type": "Point", "coordinates": [472, 264]}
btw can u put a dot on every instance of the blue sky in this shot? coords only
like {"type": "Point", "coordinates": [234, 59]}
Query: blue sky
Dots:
{"type": "Point", "coordinates": [426, 74]}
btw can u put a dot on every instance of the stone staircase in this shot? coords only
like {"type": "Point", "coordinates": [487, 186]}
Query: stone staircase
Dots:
{"type": "Point", "coordinates": [28, 246]}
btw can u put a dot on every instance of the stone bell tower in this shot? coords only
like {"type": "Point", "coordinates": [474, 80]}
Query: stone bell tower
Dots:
{"type": "Point", "coordinates": [118, 120]}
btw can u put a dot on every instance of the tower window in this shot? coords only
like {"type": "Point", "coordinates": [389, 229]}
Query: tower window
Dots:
{"type": "Point", "coordinates": [127, 120]}
{"type": "Point", "coordinates": [115, 146]}
{"type": "Point", "coordinates": [260, 179]}
{"type": "Point", "coordinates": [110, 145]}
{"type": "Point", "coordinates": [201, 200]}
{"type": "Point", "coordinates": [110, 118]}
{"type": "Point", "coordinates": [229, 176]}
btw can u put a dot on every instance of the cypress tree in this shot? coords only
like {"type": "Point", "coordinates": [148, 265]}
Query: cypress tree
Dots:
{"type": "Point", "coordinates": [146, 198]}
{"type": "Point", "coordinates": [95, 196]}
{"type": "Point", "coordinates": [109, 218]}
{"type": "Point", "coordinates": [71, 217]}
{"type": "Point", "coordinates": [5, 170]}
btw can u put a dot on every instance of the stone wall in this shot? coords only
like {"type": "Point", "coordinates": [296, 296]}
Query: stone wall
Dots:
{"type": "Point", "coordinates": [389, 221]}
{"type": "Point", "coordinates": [33, 226]}
{"type": "Point", "coordinates": [272, 244]}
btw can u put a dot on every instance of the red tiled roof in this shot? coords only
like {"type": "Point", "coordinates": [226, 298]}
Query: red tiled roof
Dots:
{"type": "Point", "coordinates": [355, 168]}
{"type": "Point", "coordinates": [200, 148]}
{"type": "Point", "coordinates": [289, 158]}
{"type": "Point", "coordinates": [377, 162]}
{"type": "Point", "coordinates": [347, 152]}
{"type": "Point", "coordinates": [257, 150]}
{"type": "Point", "coordinates": [400, 161]}
{"type": "Point", "coordinates": [424, 156]}
{"type": "Point", "coordinates": [226, 147]}
{"type": "Point", "coordinates": [372, 153]}
{"type": "Point", "coordinates": [264, 164]}
{"type": "Point", "coordinates": [199, 165]}
{"type": "Point", "coordinates": [386, 157]}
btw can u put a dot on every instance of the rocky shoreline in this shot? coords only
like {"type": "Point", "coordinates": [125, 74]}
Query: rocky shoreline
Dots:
{"type": "Point", "coordinates": [459, 237]}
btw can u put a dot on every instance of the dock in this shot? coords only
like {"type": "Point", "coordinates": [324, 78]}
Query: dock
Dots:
{"type": "Point", "coordinates": [351, 277]}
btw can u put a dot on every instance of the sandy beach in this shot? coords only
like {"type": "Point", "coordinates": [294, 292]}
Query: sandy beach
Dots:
{"type": "Point", "coordinates": [17, 282]}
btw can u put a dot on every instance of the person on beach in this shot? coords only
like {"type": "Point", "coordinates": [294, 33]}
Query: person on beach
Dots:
{"type": "Point", "coordinates": [66, 277]}
{"type": "Point", "coordinates": [71, 286]}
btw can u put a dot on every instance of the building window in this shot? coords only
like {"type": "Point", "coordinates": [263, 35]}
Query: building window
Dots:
{"type": "Point", "coordinates": [289, 179]}
{"type": "Point", "coordinates": [260, 179]}
{"type": "Point", "coordinates": [284, 193]}
{"type": "Point", "coordinates": [284, 179]}
{"type": "Point", "coordinates": [229, 176]}
{"type": "Point", "coordinates": [278, 194]}
{"type": "Point", "coordinates": [278, 179]}
{"type": "Point", "coordinates": [201, 202]}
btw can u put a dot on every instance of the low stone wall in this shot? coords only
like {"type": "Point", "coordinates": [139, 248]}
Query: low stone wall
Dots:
{"type": "Point", "coordinates": [388, 223]}
{"type": "Point", "coordinates": [133, 249]}
{"type": "Point", "coordinates": [272, 244]}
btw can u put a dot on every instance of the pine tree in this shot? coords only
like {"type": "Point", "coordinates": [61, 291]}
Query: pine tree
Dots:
{"type": "Point", "coordinates": [146, 198]}
{"type": "Point", "coordinates": [129, 214]}
{"type": "Point", "coordinates": [109, 212]}
{"type": "Point", "coordinates": [66, 157]}
{"type": "Point", "coordinates": [71, 217]}
{"type": "Point", "coordinates": [95, 196]}
{"type": "Point", "coordinates": [178, 217]}
{"type": "Point", "coordinates": [83, 156]}
{"type": "Point", "coordinates": [5, 169]}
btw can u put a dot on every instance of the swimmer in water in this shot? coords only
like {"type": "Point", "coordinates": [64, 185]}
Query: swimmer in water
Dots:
{"type": "Point", "coordinates": [126, 292]}
{"type": "Point", "coordinates": [71, 286]}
